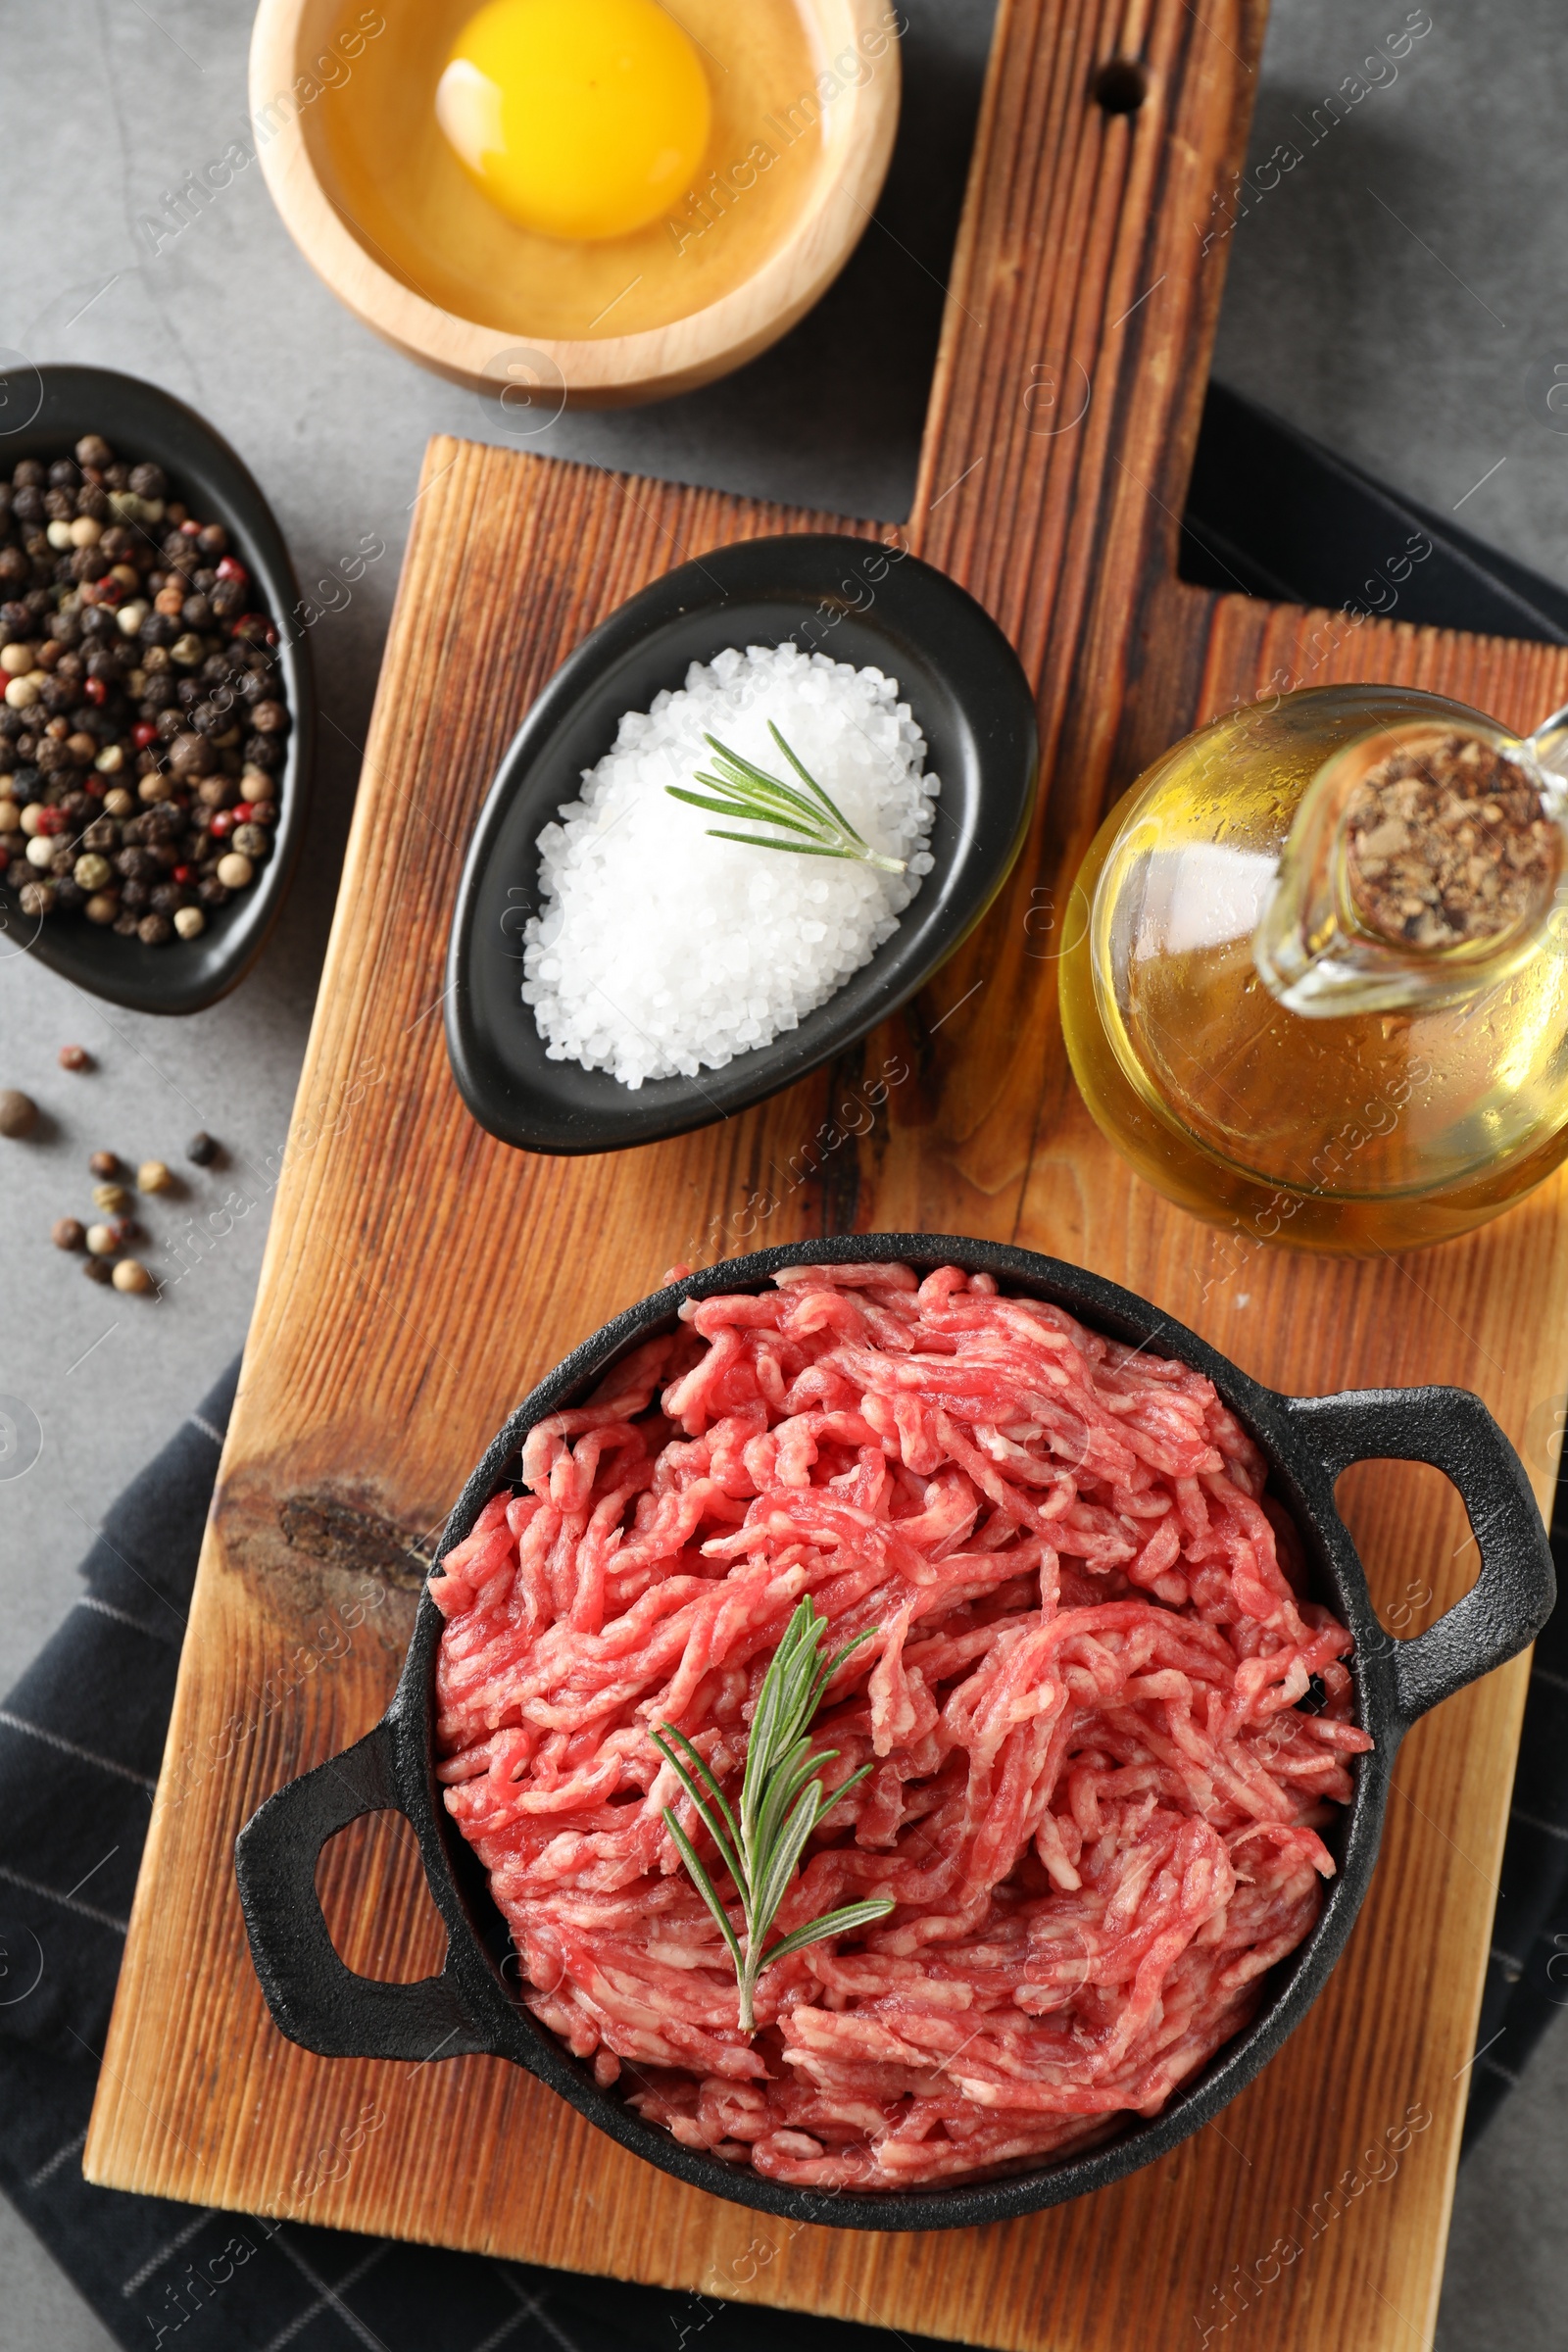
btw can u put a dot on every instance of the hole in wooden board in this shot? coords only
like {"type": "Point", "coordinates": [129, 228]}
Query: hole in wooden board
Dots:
{"type": "Point", "coordinates": [371, 1885]}
{"type": "Point", "coordinates": [1415, 1539]}
{"type": "Point", "coordinates": [1120, 87]}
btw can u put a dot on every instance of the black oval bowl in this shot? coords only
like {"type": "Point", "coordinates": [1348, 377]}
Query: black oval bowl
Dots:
{"type": "Point", "coordinates": [851, 598]}
{"type": "Point", "coordinates": [140, 422]}
{"type": "Point", "coordinates": [472, 2005]}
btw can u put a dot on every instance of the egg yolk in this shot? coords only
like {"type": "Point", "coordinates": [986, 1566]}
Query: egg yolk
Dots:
{"type": "Point", "coordinates": [578, 118]}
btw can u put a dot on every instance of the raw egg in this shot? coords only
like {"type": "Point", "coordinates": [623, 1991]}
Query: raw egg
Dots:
{"type": "Point", "coordinates": [578, 118]}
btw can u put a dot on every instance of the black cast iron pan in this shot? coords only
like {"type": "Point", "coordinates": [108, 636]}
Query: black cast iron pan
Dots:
{"type": "Point", "coordinates": [473, 2006]}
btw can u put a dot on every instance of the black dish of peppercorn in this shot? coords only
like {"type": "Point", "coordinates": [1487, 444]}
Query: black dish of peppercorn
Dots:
{"type": "Point", "coordinates": [211, 708]}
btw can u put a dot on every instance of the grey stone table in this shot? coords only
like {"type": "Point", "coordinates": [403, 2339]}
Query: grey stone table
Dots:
{"type": "Point", "coordinates": [1397, 293]}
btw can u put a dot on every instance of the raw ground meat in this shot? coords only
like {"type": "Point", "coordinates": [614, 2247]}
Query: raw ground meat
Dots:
{"type": "Point", "coordinates": [1094, 1796]}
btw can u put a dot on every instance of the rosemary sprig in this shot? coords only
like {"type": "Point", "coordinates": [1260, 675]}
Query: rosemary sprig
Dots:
{"type": "Point", "coordinates": [755, 798]}
{"type": "Point", "coordinates": [781, 1804]}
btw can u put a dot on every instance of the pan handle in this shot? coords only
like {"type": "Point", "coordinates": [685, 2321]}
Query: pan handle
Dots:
{"type": "Point", "coordinates": [1513, 1595]}
{"type": "Point", "coordinates": [314, 1997]}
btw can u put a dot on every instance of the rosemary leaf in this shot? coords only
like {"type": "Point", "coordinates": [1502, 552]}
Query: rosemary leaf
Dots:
{"type": "Point", "coordinates": [753, 797]}
{"type": "Point", "coordinates": [781, 1803]}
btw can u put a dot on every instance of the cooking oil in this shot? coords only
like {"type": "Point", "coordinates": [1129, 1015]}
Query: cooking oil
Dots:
{"type": "Point", "coordinates": [1259, 1052]}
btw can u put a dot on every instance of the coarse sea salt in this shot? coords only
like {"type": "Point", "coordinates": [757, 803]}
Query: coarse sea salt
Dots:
{"type": "Point", "coordinates": [662, 952]}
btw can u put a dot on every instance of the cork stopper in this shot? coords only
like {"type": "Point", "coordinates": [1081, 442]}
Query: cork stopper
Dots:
{"type": "Point", "coordinates": [1449, 843]}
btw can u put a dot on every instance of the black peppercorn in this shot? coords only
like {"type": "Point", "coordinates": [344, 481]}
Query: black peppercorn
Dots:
{"type": "Point", "coordinates": [149, 481]}
{"type": "Point", "coordinates": [155, 930]}
{"type": "Point", "coordinates": [28, 474]}
{"type": "Point", "coordinates": [27, 505]}
{"type": "Point", "coordinates": [93, 450]}
{"type": "Point", "coordinates": [98, 1269]}
{"type": "Point", "coordinates": [201, 1149]}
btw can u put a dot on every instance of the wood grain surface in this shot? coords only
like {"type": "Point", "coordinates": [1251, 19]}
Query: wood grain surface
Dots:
{"type": "Point", "coordinates": [420, 1277]}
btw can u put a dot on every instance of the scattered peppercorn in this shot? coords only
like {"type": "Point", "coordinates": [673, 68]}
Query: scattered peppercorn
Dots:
{"type": "Point", "coordinates": [74, 1057]}
{"type": "Point", "coordinates": [201, 1149]}
{"type": "Point", "coordinates": [112, 1199]}
{"type": "Point", "coordinates": [19, 1113]}
{"type": "Point", "coordinates": [124, 1229]}
{"type": "Point", "coordinates": [140, 693]}
{"type": "Point", "coordinates": [101, 1240]}
{"type": "Point", "coordinates": [153, 1177]}
{"type": "Point", "coordinates": [67, 1233]}
{"type": "Point", "coordinates": [105, 1165]}
{"type": "Point", "coordinates": [131, 1275]}
{"type": "Point", "coordinates": [98, 1269]}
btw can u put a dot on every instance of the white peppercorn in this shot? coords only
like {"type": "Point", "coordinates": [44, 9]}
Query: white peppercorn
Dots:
{"type": "Point", "coordinates": [187, 651]}
{"type": "Point", "coordinates": [86, 531]}
{"type": "Point", "coordinates": [153, 1175]}
{"type": "Point", "coordinates": [190, 922]}
{"type": "Point", "coordinates": [21, 693]}
{"type": "Point", "coordinates": [131, 1275]}
{"type": "Point", "coordinates": [101, 1240]}
{"type": "Point", "coordinates": [110, 760]}
{"type": "Point", "coordinates": [15, 660]}
{"type": "Point", "coordinates": [41, 852]}
{"type": "Point", "coordinates": [92, 872]}
{"type": "Point", "coordinates": [235, 869]}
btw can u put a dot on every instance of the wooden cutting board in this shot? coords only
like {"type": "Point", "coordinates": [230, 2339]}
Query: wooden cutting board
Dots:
{"type": "Point", "coordinates": [419, 1278]}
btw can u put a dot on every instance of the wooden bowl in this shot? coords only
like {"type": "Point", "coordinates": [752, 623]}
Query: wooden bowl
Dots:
{"type": "Point", "coordinates": [301, 64]}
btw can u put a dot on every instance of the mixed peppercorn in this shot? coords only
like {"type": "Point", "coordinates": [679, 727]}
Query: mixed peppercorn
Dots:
{"type": "Point", "coordinates": [143, 730]}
